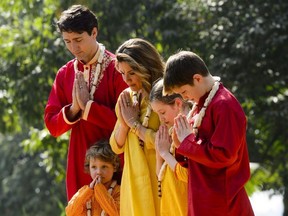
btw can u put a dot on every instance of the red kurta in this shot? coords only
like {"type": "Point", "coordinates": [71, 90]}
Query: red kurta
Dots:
{"type": "Point", "coordinates": [219, 166]}
{"type": "Point", "coordinates": [97, 122]}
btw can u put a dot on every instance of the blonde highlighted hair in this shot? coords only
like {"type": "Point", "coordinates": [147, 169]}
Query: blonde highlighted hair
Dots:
{"type": "Point", "coordinates": [143, 58]}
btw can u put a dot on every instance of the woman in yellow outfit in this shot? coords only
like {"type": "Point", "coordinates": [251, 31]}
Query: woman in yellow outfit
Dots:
{"type": "Point", "coordinates": [134, 133]}
{"type": "Point", "coordinates": [170, 167]}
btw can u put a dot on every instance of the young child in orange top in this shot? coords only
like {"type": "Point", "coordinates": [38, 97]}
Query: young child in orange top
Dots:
{"type": "Point", "coordinates": [102, 196]}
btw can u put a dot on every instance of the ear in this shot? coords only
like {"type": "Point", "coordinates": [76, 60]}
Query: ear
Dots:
{"type": "Point", "coordinates": [178, 103]}
{"type": "Point", "coordinates": [197, 77]}
{"type": "Point", "coordinates": [94, 32]}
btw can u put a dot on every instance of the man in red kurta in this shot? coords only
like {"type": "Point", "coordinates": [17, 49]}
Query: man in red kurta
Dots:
{"type": "Point", "coordinates": [84, 93]}
{"type": "Point", "coordinates": [213, 139]}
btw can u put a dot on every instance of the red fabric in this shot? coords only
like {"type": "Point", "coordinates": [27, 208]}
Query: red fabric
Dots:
{"type": "Point", "coordinates": [100, 121]}
{"type": "Point", "coordinates": [219, 166]}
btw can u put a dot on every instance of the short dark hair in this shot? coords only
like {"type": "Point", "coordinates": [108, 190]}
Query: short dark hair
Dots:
{"type": "Point", "coordinates": [77, 18]}
{"type": "Point", "coordinates": [180, 69]}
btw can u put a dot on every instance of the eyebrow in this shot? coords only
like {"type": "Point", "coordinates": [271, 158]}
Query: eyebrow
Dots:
{"type": "Point", "coordinates": [127, 71]}
{"type": "Point", "coordinates": [77, 38]}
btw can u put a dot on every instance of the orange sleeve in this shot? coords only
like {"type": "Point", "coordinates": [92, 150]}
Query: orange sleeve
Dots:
{"type": "Point", "coordinates": [77, 205]}
{"type": "Point", "coordinates": [109, 203]}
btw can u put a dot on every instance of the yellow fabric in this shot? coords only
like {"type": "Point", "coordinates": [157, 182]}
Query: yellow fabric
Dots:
{"type": "Point", "coordinates": [110, 203]}
{"type": "Point", "coordinates": [174, 200]}
{"type": "Point", "coordinates": [139, 182]}
{"type": "Point", "coordinates": [181, 173]}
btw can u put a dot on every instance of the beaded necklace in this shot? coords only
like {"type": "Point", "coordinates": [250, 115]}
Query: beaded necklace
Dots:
{"type": "Point", "coordinates": [95, 73]}
{"type": "Point", "coordinates": [201, 114]}
{"type": "Point", "coordinates": [136, 100]}
{"type": "Point", "coordinates": [89, 203]}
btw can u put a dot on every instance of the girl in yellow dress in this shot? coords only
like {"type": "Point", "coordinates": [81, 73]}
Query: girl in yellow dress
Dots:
{"type": "Point", "coordinates": [134, 133]}
{"type": "Point", "coordinates": [171, 171]}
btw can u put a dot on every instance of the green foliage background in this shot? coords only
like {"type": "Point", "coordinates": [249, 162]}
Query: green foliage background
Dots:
{"type": "Point", "coordinates": [244, 42]}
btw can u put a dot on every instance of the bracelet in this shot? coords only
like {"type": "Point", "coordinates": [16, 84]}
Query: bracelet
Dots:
{"type": "Point", "coordinates": [130, 119]}
{"type": "Point", "coordinates": [134, 128]}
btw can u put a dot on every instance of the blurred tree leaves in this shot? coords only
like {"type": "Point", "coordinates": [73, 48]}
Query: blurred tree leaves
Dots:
{"type": "Point", "coordinates": [244, 42]}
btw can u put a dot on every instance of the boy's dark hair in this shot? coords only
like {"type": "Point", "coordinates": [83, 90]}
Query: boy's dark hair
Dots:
{"type": "Point", "coordinates": [77, 18]}
{"type": "Point", "coordinates": [156, 94]}
{"type": "Point", "coordinates": [102, 150]}
{"type": "Point", "coordinates": [180, 69]}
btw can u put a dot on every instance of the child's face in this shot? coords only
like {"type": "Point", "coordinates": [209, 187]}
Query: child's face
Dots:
{"type": "Point", "coordinates": [166, 112]}
{"type": "Point", "coordinates": [188, 92]}
{"type": "Point", "coordinates": [101, 168]}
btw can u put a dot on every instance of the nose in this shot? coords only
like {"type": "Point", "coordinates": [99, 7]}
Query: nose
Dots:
{"type": "Point", "coordinates": [162, 119]}
{"type": "Point", "coordinates": [73, 47]}
{"type": "Point", "coordinates": [98, 171]}
{"type": "Point", "coordinates": [126, 77]}
{"type": "Point", "coordinates": [184, 96]}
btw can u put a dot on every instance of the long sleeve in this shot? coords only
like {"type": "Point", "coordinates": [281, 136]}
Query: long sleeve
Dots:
{"type": "Point", "coordinates": [181, 173]}
{"type": "Point", "coordinates": [221, 150]}
{"type": "Point", "coordinates": [218, 159]}
{"type": "Point", "coordinates": [59, 100]}
{"type": "Point", "coordinates": [94, 123]}
{"type": "Point", "coordinates": [99, 111]}
{"type": "Point", "coordinates": [112, 141]}
{"type": "Point", "coordinates": [77, 205]}
{"type": "Point", "coordinates": [109, 203]}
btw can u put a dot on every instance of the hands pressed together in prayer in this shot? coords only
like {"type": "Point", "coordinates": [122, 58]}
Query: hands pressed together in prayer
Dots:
{"type": "Point", "coordinates": [80, 95]}
{"type": "Point", "coordinates": [182, 127]}
{"type": "Point", "coordinates": [181, 130]}
{"type": "Point", "coordinates": [129, 111]}
{"type": "Point", "coordinates": [163, 141]}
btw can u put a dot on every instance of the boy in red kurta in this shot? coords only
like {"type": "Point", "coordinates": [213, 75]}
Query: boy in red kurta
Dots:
{"type": "Point", "coordinates": [213, 138]}
{"type": "Point", "coordinates": [84, 92]}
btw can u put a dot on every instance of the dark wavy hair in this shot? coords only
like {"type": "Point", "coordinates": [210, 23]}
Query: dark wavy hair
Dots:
{"type": "Point", "coordinates": [77, 18]}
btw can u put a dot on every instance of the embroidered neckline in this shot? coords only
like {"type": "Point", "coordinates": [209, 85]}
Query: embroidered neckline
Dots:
{"type": "Point", "coordinates": [95, 73]}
